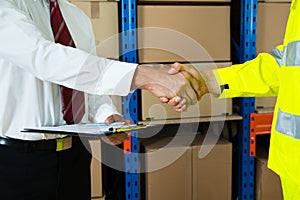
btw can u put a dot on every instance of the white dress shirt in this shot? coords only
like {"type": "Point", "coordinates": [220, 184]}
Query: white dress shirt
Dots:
{"type": "Point", "coordinates": [32, 67]}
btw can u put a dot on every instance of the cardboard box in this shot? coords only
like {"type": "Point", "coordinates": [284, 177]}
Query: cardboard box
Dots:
{"type": "Point", "coordinates": [267, 183]}
{"type": "Point", "coordinates": [271, 24]}
{"type": "Point", "coordinates": [96, 170]}
{"type": "Point", "coordinates": [212, 174]}
{"type": "Point", "coordinates": [209, 105]}
{"type": "Point", "coordinates": [104, 18]}
{"type": "Point", "coordinates": [189, 177]}
{"type": "Point", "coordinates": [173, 181]}
{"type": "Point", "coordinates": [183, 33]}
{"type": "Point", "coordinates": [265, 102]}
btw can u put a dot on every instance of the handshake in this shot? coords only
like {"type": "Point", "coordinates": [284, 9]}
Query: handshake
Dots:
{"type": "Point", "coordinates": [179, 85]}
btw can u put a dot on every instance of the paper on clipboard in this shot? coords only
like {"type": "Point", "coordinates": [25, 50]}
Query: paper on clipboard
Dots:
{"type": "Point", "coordinates": [95, 129]}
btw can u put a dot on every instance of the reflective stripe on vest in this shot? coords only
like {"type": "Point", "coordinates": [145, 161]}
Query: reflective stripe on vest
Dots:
{"type": "Point", "coordinates": [290, 56]}
{"type": "Point", "coordinates": [288, 124]}
{"type": "Point", "coordinates": [278, 55]}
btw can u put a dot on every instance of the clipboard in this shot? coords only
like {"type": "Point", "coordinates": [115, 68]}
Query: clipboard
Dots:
{"type": "Point", "coordinates": [89, 129]}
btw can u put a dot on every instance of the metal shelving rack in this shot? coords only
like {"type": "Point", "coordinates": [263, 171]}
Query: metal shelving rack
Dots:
{"type": "Point", "coordinates": [260, 124]}
{"type": "Point", "coordinates": [246, 50]}
{"type": "Point", "coordinates": [128, 25]}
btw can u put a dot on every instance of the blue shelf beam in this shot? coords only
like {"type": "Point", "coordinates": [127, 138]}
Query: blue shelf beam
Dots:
{"type": "Point", "coordinates": [130, 103]}
{"type": "Point", "coordinates": [247, 51]}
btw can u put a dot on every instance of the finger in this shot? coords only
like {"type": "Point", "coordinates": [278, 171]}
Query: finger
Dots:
{"type": "Point", "coordinates": [191, 70]}
{"type": "Point", "coordinates": [175, 68]}
{"type": "Point", "coordinates": [109, 120]}
{"type": "Point", "coordinates": [182, 109]}
{"type": "Point", "coordinates": [190, 95]}
{"type": "Point", "coordinates": [191, 74]}
{"type": "Point", "coordinates": [163, 100]}
{"type": "Point", "coordinates": [187, 75]}
{"type": "Point", "coordinates": [196, 86]}
{"type": "Point", "coordinates": [174, 101]}
{"type": "Point", "coordinates": [118, 118]}
{"type": "Point", "coordinates": [181, 104]}
{"type": "Point", "coordinates": [114, 118]}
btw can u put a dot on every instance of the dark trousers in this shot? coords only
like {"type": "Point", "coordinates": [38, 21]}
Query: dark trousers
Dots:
{"type": "Point", "coordinates": [113, 179]}
{"type": "Point", "coordinates": [45, 175]}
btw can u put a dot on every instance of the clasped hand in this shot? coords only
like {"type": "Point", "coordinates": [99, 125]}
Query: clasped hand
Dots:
{"type": "Point", "coordinates": [179, 86]}
{"type": "Point", "coordinates": [196, 82]}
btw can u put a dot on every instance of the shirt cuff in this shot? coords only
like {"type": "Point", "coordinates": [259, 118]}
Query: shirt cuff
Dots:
{"type": "Point", "coordinates": [227, 81]}
{"type": "Point", "coordinates": [103, 112]}
{"type": "Point", "coordinates": [117, 79]}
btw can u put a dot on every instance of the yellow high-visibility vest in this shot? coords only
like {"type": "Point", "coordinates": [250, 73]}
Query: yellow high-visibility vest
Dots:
{"type": "Point", "coordinates": [275, 74]}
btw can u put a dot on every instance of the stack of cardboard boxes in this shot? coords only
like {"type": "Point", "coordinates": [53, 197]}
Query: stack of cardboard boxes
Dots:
{"type": "Point", "coordinates": [272, 17]}
{"type": "Point", "coordinates": [267, 183]}
{"type": "Point", "coordinates": [177, 172]}
{"type": "Point", "coordinates": [104, 17]}
{"type": "Point", "coordinates": [189, 31]}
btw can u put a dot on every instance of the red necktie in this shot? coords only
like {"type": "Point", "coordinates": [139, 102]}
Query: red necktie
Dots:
{"type": "Point", "coordinates": [73, 101]}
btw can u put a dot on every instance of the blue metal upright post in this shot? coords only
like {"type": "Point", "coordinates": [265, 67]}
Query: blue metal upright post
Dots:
{"type": "Point", "coordinates": [247, 52]}
{"type": "Point", "coordinates": [129, 54]}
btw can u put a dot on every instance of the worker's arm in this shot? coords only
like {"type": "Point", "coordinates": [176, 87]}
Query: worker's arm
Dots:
{"type": "Point", "coordinates": [258, 77]}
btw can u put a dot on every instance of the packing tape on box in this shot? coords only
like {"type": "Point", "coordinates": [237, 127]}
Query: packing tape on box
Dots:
{"type": "Point", "coordinates": [95, 10]}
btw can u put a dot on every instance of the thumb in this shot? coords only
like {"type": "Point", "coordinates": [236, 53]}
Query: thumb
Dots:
{"type": "Point", "coordinates": [174, 68]}
{"type": "Point", "coordinates": [163, 99]}
{"type": "Point", "coordinates": [109, 120]}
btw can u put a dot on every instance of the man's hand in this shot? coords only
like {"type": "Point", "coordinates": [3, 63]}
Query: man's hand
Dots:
{"type": "Point", "coordinates": [178, 103]}
{"type": "Point", "coordinates": [162, 84]}
{"type": "Point", "coordinates": [197, 81]}
{"type": "Point", "coordinates": [114, 118]}
{"type": "Point", "coordinates": [117, 138]}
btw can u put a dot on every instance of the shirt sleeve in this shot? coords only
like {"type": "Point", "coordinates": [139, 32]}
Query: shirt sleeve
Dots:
{"type": "Point", "coordinates": [100, 107]}
{"type": "Point", "coordinates": [256, 78]}
{"type": "Point", "coordinates": [23, 44]}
